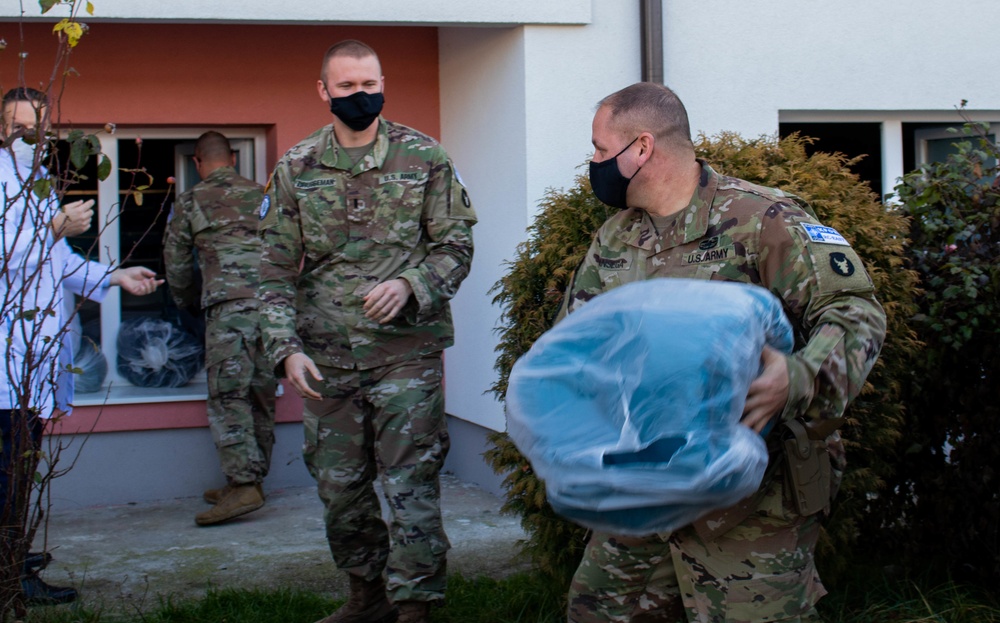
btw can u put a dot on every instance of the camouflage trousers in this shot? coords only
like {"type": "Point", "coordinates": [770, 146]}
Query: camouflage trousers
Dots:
{"type": "Point", "coordinates": [386, 422]}
{"type": "Point", "coordinates": [760, 570]}
{"type": "Point", "coordinates": [241, 391]}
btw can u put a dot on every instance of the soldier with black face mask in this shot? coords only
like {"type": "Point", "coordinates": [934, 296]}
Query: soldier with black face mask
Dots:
{"type": "Point", "coordinates": [680, 218]}
{"type": "Point", "coordinates": [367, 233]}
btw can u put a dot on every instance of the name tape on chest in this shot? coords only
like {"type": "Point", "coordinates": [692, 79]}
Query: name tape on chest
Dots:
{"type": "Point", "coordinates": [612, 263]}
{"type": "Point", "coordinates": [319, 183]}
{"type": "Point", "coordinates": [822, 234]}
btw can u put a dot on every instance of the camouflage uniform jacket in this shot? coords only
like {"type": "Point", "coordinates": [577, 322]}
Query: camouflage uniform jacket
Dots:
{"type": "Point", "coordinates": [218, 217]}
{"type": "Point", "coordinates": [737, 231]}
{"type": "Point", "coordinates": [332, 231]}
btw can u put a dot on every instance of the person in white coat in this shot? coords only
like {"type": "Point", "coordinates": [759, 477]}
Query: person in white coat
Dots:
{"type": "Point", "coordinates": [37, 265]}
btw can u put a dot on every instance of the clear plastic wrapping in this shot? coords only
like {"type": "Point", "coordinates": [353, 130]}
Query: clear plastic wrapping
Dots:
{"type": "Point", "coordinates": [629, 408]}
{"type": "Point", "coordinates": [156, 353]}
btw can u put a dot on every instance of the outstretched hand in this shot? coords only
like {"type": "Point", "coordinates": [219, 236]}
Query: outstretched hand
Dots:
{"type": "Point", "coordinates": [137, 280]}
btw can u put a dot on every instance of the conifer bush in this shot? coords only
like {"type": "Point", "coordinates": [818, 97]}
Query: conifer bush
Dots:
{"type": "Point", "coordinates": [531, 292]}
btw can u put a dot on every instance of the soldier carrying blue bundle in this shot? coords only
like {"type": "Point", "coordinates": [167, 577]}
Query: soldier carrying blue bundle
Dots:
{"type": "Point", "coordinates": [680, 218]}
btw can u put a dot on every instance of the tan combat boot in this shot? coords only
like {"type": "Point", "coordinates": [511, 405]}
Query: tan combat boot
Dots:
{"type": "Point", "coordinates": [414, 612]}
{"type": "Point", "coordinates": [367, 604]}
{"type": "Point", "coordinates": [212, 496]}
{"type": "Point", "coordinates": [240, 500]}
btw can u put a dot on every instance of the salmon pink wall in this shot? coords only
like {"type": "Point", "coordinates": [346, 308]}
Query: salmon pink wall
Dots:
{"type": "Point", "coordinates": [218, 75]}
{"type": "Point", "coordinates": [163, 75]}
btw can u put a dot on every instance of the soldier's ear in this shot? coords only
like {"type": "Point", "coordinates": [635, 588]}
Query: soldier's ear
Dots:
{"type": "Point", "coordinates": [646, 142]}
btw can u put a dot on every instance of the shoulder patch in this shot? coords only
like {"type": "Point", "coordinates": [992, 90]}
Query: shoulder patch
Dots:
{"type": "Point", "coordinates": [841, 264]}
{"type": "Point", "coordinates": [265, 205]}
{"type": "Point", "coordinates": [822, 234]}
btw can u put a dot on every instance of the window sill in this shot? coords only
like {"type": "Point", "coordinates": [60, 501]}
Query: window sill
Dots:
{"type": "Point", "coordinates": [130, 394]}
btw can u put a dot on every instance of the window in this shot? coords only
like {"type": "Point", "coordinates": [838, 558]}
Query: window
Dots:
{"type": "Point", "coordinates": [850, 139]}
{"type": "Point", "coordinates": [128, 231]}
{"type": "Point", "coordinates": [896, 140]}
{"type": "Point", "coordinates": [933, 142]}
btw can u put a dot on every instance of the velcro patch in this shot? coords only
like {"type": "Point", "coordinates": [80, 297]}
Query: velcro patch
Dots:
{"type": "Point", "coordinates": [719, 254]}
{"type": "Point", "coordinates": [413, 176]}
{"type": "Point", "coordinates": [841, 264]}
{"type": "Point", "coordinates": [309, 184]}
{"type": "Point", "coordinates": [824, 235]}
{"type": "Point", "coordinates": [617, 263]}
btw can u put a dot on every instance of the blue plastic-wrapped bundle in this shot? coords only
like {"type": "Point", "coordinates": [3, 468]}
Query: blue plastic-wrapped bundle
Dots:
{"type": "Point", "coordinates": [156, 353]}
{"type": "Point", "coordinates": [92, 365]}
{"type": "Point", "coordinates": [629, 408]}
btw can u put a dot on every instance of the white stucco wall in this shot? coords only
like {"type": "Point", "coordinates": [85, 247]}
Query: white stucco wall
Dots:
{"type": "Point", "coordinates": [516, 107]}
{"type": "Point", "coordinates": [737, 64]}
{"type": "Point", "coordinates": [370, 12]}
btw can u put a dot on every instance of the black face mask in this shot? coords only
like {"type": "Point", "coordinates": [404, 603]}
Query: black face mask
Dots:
{"type": "Point", "coordinates": [357, 110]}
{"type": "Point", "coordinates": [607, 181]}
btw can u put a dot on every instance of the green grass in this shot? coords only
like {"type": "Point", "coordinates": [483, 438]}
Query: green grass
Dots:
{"type": "Point", "coordinates": [920, 600]}
{"type": "Point", "coordinates": [524, 598]}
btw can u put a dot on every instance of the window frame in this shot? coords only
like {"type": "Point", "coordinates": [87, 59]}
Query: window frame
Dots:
{"type": "Point", "coordinates": [115, 389]}
{"type": "Point", "coordinates": [892, 131]}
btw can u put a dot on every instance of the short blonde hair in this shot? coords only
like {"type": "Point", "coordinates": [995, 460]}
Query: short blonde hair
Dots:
{"type": "Point", "coordinates": [349, 47]}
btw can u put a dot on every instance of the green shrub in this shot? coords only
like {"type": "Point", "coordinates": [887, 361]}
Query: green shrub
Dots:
{"type": "Point", "coordinates": [530, 295]}
{"type": "Point", "coordinates": [944, 506]}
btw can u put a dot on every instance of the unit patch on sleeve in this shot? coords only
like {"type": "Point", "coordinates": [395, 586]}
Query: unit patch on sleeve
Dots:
{"type": "Point", "coordinates": [841, 264]}
{"type": "Point", "coordinates": [265, 205]}
{"type": "Point", "coordinates": [824, 235]}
